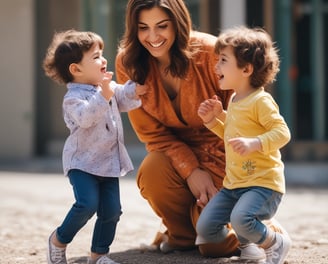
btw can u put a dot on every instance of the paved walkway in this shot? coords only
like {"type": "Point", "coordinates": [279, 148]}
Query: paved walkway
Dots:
{"type": "Point", "coordinates": [33, 204]}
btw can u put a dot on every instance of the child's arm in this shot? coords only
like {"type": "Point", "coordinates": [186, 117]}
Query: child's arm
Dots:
{"type": "Point", "coordinates": [140, 90]}
{"type": "Point", "coordinates": [277, 132]}
{"type": "Point", "coordinates": [128, 95]}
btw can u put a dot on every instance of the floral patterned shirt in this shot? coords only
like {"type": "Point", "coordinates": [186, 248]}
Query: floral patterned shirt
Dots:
{"type": "Point", "coordinates": [96, 144]}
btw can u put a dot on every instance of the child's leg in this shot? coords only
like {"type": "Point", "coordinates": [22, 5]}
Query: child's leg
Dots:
{"type": "Point", "coordinates": [85, 187]}
{"type": "Point", "coordinates": [255, 204]}
{"type": "Point", "coordinates": [211, 226]}
{"type": "Point", "coordinates": [108, 215]}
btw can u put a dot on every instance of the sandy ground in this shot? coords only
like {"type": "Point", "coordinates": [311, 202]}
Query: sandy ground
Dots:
{"type": "Point", "coordinates": [33, 204]}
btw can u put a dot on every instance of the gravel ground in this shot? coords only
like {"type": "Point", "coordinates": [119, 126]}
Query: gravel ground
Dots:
{"type": "Point", "coordinates": [33, 204]}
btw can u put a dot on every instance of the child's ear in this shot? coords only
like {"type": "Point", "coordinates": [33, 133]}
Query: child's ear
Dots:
{"type": "Point", "coordinates": [74, 69]}
{"type": "Point", "coordinates": [248, 69]}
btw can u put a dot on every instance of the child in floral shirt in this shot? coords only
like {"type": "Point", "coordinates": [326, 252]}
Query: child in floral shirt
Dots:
{"type": "Point", "coordinates": [94, 155]}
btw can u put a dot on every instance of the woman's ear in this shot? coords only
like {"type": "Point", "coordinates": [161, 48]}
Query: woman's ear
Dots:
{"type": "Point", "coordinates": [75, 69]}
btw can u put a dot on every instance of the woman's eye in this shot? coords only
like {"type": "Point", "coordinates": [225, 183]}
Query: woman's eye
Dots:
{"type": "Point", "coordinates": [142, 28]}
{"type": "Point", "coordinates": [163, 26]}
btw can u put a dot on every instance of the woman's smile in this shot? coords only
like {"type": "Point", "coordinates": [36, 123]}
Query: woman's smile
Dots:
{"type": "Point", "coordinates": [156, 44]}
{"type": "Point", "coordinates": [156, 32]}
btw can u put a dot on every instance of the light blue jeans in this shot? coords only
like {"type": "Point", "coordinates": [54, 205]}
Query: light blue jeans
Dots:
{"type": "Point", "coordinates": [244, 208]}
{"type": "Point", "coordinates": [92, 194]}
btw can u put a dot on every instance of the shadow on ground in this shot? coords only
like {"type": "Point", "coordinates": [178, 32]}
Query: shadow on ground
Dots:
{"type": "Point", "coordinates": [135, 256]}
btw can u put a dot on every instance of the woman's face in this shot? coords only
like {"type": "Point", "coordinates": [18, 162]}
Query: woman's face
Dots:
{"type": "Point", "coordinates": [156, 32]}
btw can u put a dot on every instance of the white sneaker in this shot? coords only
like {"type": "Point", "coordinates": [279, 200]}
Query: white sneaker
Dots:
{"type": "Point", "coordinates": [102, 260]}
{"type": "Point", "coordinates": [252, 252]}
{"type": "Point", "coordinates": [278, 251]}
{"type": "Point", "coordinates": [277, 227]}
{"type": "Point", "coordinates": [55, 255]}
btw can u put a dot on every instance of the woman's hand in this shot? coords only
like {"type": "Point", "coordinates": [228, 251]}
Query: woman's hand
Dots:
{"type": "Point", "coordinates": [202, 186]}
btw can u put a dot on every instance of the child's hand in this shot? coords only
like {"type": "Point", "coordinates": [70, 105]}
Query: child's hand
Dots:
{"type": "Point", "coordinates": [209, 109]}
{"type": "Point", "coordinates": [106, 91]}
{"type": "Point", "coordinates": [244, 146]}
{"type": "Point", "coordinates": [108, 77]}
{"type": "Point", "coordinates": [141, 90]}
{"type": "Point", "coordinates": [205, 111]}
{"type": "Point", "coordinates": [217, 106]}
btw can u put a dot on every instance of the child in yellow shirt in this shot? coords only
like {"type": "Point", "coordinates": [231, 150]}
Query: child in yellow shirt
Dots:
{"type": "Point", "coordinates": [253, 131]}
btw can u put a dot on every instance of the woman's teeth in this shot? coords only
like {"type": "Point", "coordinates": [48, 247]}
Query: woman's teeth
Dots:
{"type": "Point", "coordinates": [156, 45]}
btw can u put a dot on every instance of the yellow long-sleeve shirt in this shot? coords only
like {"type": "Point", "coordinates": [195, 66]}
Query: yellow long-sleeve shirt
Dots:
{"type": "Point", "coordinates": [257, 115]}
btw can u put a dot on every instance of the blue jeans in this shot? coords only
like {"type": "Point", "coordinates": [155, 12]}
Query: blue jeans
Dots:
{"type": "Point", "coordinates": [244, 208]}
{"type": "Point", "coordinates": [92, 194]}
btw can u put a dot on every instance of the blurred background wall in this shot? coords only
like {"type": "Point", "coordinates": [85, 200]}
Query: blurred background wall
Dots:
{"type": "Point", "coordinates": [30, 103]}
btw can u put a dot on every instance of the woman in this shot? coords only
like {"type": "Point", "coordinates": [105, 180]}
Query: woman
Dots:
{"type": "Point", "coordinates": [185, 164]}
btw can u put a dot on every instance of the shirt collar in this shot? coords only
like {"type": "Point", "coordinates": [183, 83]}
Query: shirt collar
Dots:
{"type": "Point", "coordinates": [82, 86]}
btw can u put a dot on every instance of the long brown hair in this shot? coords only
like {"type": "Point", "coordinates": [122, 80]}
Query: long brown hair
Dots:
{"type": "Point", "coordinates": [136, 58]}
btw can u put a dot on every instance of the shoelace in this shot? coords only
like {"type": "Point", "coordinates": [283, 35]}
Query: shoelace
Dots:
{"type": "Point", "coordinates": [58, 255]}
{"type": "Point", "coordinates": [271, 254]}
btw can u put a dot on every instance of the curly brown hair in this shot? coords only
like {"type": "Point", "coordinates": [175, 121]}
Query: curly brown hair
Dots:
{"type": "Point", "coordinates": [252, 46]}
{"type": "Point", "coordinates": [136, 57]}
{"type": "Point", "coordinates": [68, 47]}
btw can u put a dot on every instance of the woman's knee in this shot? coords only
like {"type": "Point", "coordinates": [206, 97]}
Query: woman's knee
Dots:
{"type": "Point", "coordinates": [155, 163]}
{"type": "Point", "coordinates": [157, 176]}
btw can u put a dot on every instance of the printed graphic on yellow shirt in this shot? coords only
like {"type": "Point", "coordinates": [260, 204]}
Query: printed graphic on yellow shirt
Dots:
{"type": "Point", "coordinates": [249, 166]}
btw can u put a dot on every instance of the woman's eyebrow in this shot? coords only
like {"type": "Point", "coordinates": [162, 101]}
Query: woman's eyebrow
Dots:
{"type": "Point", "coordinates": [160, 22]}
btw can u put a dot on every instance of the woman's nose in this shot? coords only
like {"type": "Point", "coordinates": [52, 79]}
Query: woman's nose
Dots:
{"type": "Point", "coordinates": [152, 35]}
